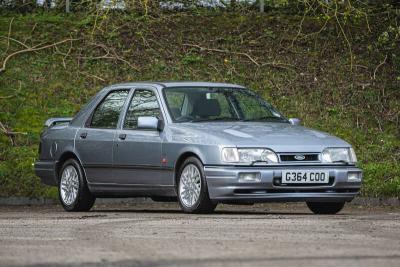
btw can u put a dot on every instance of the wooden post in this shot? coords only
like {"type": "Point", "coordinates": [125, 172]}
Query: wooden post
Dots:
{"type": "Point", "coordinates": [67, 6]}
{"type": "Point", "coordinates": [262, 6]}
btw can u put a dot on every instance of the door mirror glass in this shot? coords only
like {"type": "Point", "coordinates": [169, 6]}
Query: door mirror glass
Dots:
{"type": "Point", "coordinates": [294, 121]}
{"type": "Point", "coordinates": [149, 123]}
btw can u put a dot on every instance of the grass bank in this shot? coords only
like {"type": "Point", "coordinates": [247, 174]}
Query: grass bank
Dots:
{"type": "Point", "coordinates": [306, 74]}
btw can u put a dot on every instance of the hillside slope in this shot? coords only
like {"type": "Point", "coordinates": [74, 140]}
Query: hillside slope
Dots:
{"type": "Point", "coordinates": [307, 75]}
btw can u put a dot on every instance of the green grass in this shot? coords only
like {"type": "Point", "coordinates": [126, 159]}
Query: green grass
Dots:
{"type": "Point", "coordinates": [311, 80]}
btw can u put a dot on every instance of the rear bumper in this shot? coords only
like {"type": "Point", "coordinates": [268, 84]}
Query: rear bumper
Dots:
{"type": "Point", "coordinates": [224, 186]}
{"type": "Point", "coordinates": [45, 169]}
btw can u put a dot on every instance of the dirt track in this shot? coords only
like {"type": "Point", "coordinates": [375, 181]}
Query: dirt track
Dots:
{"type": "Point", "coordinates": [160, 235]}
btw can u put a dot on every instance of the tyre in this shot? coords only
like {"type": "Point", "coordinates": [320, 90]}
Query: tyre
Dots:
{"type": "Point", "coordinates": [325, 207]}
{"type": "Point", "coordinates": [73, 191]}
{"type": "Point", "coordinates": [192, 188]}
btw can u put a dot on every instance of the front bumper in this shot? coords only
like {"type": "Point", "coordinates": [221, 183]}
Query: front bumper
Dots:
{"type": "Point", "coordinates": [224, 186]}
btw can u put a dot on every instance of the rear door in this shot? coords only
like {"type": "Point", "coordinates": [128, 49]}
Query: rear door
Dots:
{"type": "Point", "coordinates": [94, 142]}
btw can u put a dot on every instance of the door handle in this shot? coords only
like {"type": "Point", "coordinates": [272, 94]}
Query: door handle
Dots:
{"type": "Point", "coordinates": [122, 136]}
{"type": "Point", "coordinates": [83, 135]}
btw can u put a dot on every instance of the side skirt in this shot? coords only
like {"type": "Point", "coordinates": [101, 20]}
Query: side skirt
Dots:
{"type": "Point", "coordinates": [131, 190]}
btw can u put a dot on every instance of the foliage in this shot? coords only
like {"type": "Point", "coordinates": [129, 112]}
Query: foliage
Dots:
{"type": "Point", "coordinates": [300, 63]}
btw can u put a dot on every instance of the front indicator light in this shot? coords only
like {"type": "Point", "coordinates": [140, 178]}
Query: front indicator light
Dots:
{"type": "Point", "coordinates": [230, 154]}
{"type": "Point", "coordinates": [249, 177]}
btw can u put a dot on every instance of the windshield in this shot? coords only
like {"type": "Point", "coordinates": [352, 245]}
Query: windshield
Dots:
{"type": "Point", "coordinates": [198, 104]}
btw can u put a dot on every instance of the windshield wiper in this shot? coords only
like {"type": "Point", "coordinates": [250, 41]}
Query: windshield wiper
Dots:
{"type": "Point", "coordinates": [184, 120]}
{"type": "Point", "coordinates": [216, 119]}
{"type": "Point", "coordinates": [267, 118]}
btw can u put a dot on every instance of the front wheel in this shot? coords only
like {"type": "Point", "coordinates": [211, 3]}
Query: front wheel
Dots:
{"type": "Point", "coordinates": [325, 207]}
{"type": "Point", "coordinates": [73, 191]}
{"type": "Point", "coordinates": [192, 188]}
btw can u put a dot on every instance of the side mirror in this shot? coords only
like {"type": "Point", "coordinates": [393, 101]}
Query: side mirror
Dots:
{"type": "Point", "coordinates": [294, 121]}
{"type": "Point", "coordinates": [150, 123]}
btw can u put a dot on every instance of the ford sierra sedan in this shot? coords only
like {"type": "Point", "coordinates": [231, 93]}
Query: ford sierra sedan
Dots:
{"type": "Point", "coordinates": [197, 143]}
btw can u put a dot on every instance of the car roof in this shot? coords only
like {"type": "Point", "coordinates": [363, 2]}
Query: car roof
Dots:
{"type": "Point", "coordinates": [165, 84]}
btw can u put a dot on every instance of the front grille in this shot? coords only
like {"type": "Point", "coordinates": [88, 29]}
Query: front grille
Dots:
{"type": "Point", "coordinates": [298, 157]}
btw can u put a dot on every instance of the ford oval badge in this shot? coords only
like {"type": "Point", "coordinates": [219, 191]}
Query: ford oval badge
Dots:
{"type": "Point", "coordinates": [299, 157]}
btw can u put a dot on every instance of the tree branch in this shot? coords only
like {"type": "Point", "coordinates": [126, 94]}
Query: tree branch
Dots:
{"type": "Point", "coordinates": [32, 49]}
{"type": "Point", "coordinates": [224, 51]}
{"type": "Point", "coordinates": [273, 64]}
{"type": "Point", "coordinates": [10, 134]}
{"type": "Point", "coordinates": [379, 65]}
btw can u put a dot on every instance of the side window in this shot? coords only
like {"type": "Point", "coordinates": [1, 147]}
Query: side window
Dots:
{"type": "Point", "coordinates": [107, 112]}
{"type": "Point", "coordinates": [143, 103]}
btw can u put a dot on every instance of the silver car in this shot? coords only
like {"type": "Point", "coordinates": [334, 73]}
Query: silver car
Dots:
{"type": "Point", "coordinates": [197, 143]}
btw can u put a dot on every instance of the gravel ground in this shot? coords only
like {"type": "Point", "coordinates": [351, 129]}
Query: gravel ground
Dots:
{"type": "Point", "coordinates": [153, 234]}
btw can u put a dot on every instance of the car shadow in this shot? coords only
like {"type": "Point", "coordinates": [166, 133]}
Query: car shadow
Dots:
{"type": "Point", "coordinates": [218, 212]}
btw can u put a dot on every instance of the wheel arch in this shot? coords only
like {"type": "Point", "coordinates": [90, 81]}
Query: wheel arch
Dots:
{"type": "Point", "coordinates": [63, 158]}
{"type": "Point", "coordinates": [182, 157]}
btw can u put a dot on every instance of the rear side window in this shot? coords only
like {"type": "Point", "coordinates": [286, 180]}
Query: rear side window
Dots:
{"type": "Point", "coordinates": [143, 103]}
{"type": "Point", "coordinates": [107, 112]}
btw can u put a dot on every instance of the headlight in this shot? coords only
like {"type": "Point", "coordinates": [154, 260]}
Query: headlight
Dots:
{"type": "Point", "coordinates": [248, 155]}
{"type": "Point", "coordinates": [332, 155]}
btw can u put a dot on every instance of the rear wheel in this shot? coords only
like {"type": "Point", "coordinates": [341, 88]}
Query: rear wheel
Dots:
{"type": "Point", "coordinates": [73, 191]}
{"type": "Point", "coordinates": [325, 207]}
{"type": "Point", "coordinates": [192, 188]}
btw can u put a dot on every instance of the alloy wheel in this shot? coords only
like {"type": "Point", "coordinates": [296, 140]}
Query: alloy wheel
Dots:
{"type": "Point", "coordinates": [190, 185]}
{"type": "Point", "coordinates": [69, 185]}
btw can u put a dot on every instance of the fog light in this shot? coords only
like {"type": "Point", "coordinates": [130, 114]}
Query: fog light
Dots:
{"type": "Point", "coordinates": [249, 177]}
{"type": "Point", "coordinates": [354, 177]}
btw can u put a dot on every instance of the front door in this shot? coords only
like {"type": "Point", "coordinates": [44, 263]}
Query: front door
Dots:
{"type": "Point", "coordinates": [94, 142]}
{"type": "Point", "coordinates": [137, 152]}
